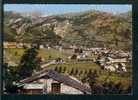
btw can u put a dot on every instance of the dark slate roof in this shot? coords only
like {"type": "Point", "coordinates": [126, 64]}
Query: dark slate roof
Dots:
{"type": "Point", "coordinates": [60, 78]}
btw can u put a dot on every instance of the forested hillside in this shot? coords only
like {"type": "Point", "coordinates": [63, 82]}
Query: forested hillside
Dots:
{"type": "Point", "coordinates": [90, 28]}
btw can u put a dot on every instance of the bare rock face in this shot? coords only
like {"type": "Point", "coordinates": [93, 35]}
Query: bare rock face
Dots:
{"type": "Point", "coordinates": [21, 29]}
{"type": "Point", "coordinates": [62, 28]}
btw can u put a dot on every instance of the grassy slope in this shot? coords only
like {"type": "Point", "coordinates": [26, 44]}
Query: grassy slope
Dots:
{"type": "Point", "coordinates": [16, 54]}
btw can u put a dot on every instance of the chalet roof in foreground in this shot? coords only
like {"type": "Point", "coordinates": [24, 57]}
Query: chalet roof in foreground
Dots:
{"type": "Point", "coordinates": [60, 78]}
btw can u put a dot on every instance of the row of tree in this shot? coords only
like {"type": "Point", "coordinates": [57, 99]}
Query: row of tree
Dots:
{"type": "Point", "coordinates": [97, 87]}
{"type": "Point", "coordinates": [73, 71]}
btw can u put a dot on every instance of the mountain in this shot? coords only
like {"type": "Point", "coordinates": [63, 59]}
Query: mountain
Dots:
{"type": "Point", "coordinates": [89, 28]}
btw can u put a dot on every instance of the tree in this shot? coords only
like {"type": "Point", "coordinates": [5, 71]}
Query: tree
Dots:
{"type": "Point", "coordinates": [80, 72]}
{"type": "Point", "coordinates": [29, 62]}
{"type": "Point", "coordinates": [76, 72]}
{"type": "Point", "coordinates": [64, 69]}
{"type": "Point", "coordinates": [56, 68]}
{"type": "Point", "coordinates": [129, 89]}
{"type": "Point", "coordinates": [92, 79]}
{"type": "Point", "coordinates": [60, 69]}
{"type": "Point", "coordinates": [113, 88]}
{"type": "Point", "coordinates": [97, 89]}
{"type": "Point", "coordinates": [10, 75]}
{"type": "Point", "coordinates": [90, 72]}
{"type": "Point", "coordinates": [72, 71]}
{"type": "Point", "coordinates": [86, 72]}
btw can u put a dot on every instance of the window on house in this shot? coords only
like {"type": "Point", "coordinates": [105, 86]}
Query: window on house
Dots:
{"type": "Point", "coordinates": [55, 87]}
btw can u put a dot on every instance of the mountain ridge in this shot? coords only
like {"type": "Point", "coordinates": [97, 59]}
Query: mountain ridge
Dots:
{"type": "Point", "coordinates": [84, 28]}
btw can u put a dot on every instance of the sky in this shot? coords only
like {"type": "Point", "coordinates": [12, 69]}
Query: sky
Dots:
{"type": "Point", "coordinates": [53, 9]}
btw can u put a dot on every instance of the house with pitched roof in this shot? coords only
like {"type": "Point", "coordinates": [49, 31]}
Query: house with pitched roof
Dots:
{"type": "Point", "coordinates": [52, 82]}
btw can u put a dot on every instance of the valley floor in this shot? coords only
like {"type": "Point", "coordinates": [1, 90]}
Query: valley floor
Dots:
{"type": "Point", "coordinates": [78, 69]}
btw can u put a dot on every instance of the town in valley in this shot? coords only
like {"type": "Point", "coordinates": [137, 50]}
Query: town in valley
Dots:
{"type": "Point", "coordinates": [86, 52]}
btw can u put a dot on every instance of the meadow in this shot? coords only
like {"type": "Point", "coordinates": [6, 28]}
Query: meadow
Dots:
{"type": "Point", "coordinates": [74, 68]}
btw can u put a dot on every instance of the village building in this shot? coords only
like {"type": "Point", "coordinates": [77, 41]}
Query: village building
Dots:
{"type": "Point", "coordinates": [110, 60]}
{"type": "Point", "coordinates": [41, 46]}
{"type": "Point", "coordinates": [51, 82]}
{"type": "Point", "coordinates": [20, 45]}
{"type": "Point", "coordinates": [16, 45]}
{"type": "Point", "coordinates": [78, 51]}
{"type": "Point", "coordinates": [10, 45]}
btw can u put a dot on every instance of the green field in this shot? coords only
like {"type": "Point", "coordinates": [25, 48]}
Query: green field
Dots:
{"type": "Point", "coordinates": [16, 54]}
{"type": "Point", "coordinates": [82, 67]}
{"type": "Point", "coordinates": [103, 75]}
